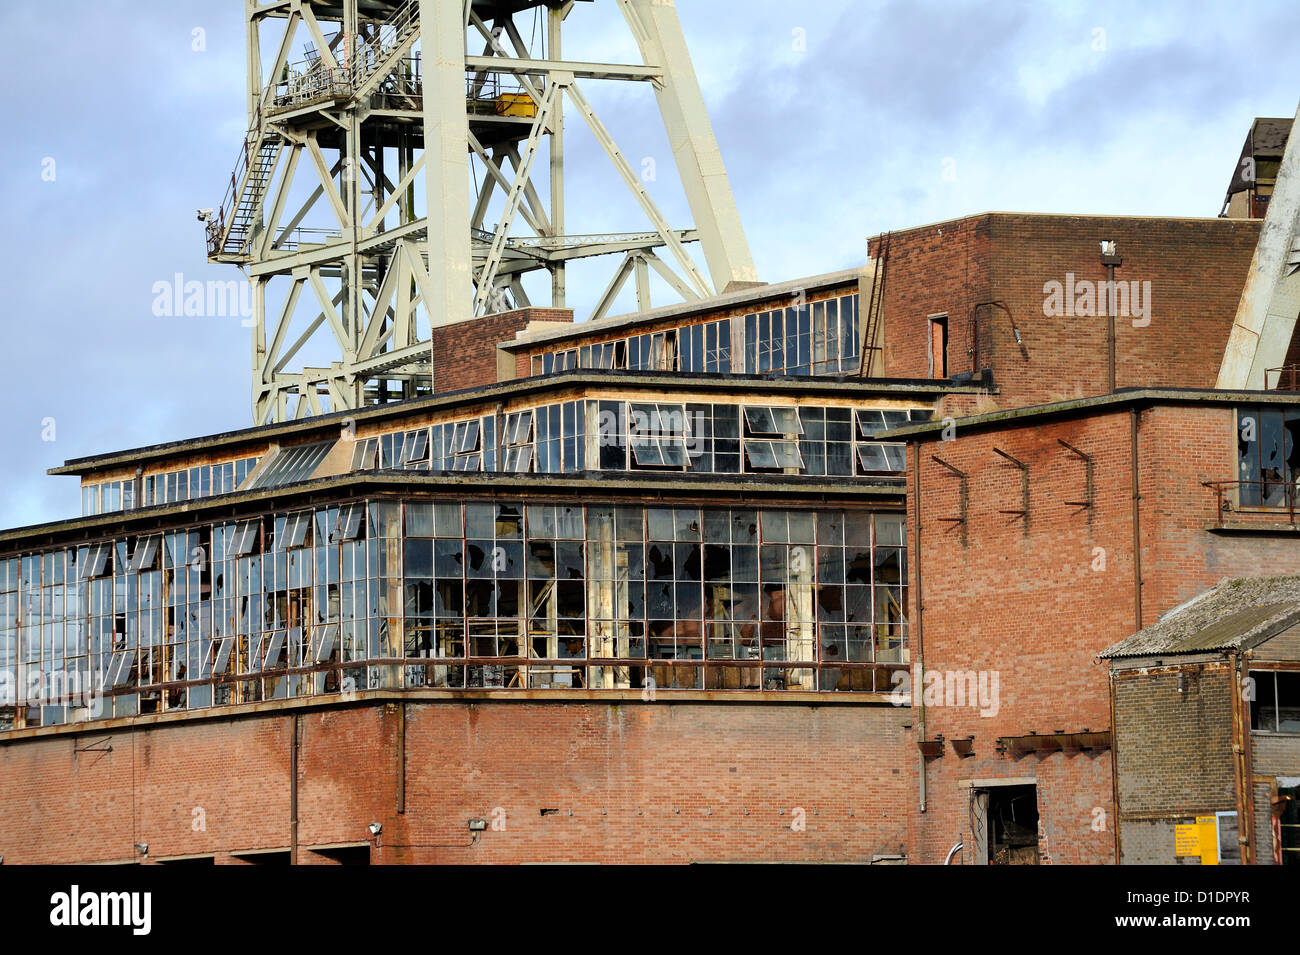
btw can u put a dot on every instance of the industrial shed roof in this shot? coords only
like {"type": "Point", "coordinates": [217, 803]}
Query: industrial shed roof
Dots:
{"type": "Point", "coordinates": [1235, 615]}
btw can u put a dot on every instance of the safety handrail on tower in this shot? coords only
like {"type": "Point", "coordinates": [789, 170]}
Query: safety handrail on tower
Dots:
{"type": "Point", "coordinates": [228, 229]}
{"type": "Point", "coordinates": [397, 181]}
{"type": "Point", "coordinates": [378, 56]}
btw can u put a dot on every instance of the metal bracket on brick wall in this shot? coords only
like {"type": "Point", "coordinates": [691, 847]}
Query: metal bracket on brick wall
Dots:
{"type": "Point", "coordinates": [931, 748]}
{"type": "Point", "coordinates": [965, 497]}
{"type": "Point", "coordinates": [1089, 466]}
{"type": "Point", "coordinates": [1023, 511]}
{"type": "Point", "coordinates": [963, 747]}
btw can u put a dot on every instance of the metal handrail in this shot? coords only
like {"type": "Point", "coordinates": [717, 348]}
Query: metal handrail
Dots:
{"type": "Point", "coordinates": [216, 225]}
{"type": "Point", "coordinates": [1288, 378]}
{"type": "Point", "coordinates": [1228, 498]}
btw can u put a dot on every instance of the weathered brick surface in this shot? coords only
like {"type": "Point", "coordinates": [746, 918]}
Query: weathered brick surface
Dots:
{"type": "Point", "coordinates": [1036, 608]}
{"type": "Point", "coordinates": [1174, 747]}
{"type": "Point", "coordinates": [1029, 608]}
{"type": "Point", "coordinates": [1196, 268]}
{"type": "Point", "coordinates": [655, 782]}
{"type": "Point", "coordinates": [465, 354]}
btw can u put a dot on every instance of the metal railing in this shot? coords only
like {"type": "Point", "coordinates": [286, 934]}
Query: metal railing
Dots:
{"type": "Point", "coordinates": [497, 94]}
{"type": "Point", "coordinates": [370, 53]}
{"type": "Point", "coordinates": [1286, 378]}
{"type": "Point", "coordinates": [1263, 501]}
{"type": "Point", "coordinates": [311, 82]}
{"type": "Point", "coordinates": [216, 224]}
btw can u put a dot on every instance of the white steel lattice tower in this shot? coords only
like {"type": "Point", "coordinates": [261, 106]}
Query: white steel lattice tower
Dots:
{"type": "Point", "coordinates": [369, 170]}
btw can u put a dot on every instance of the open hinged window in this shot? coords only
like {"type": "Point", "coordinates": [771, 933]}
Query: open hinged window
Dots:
{"type": "Point", "coordinates": [145, 556]}
{"type": "Point", "coordinates": [872, 422]}
{"type": "Point", "coordinates": [518, 441]}
{"type": "Point", "coordinates": [273, 652]}
{"type": "Point", "coordinates": [244, 541]}
{"type": "Point", "coordinates": [657, 434]}
{"type": "Point", "coordinates": [95, 563]}
{"type": "Point", "coordinates": [465, 438]}
{"type": "Point", "coordinates": [365, 454]}
{"type": "Point", "coordinates": [878, 457]}
{"type": "Point", "coordinates": [324, 642]}
{"type": "Point", "coordinates": [348, 527]}
{"type": "Point", "coordinates": [772, 438]}
{"type": "Point", "coordinates": [221, 657]}
{"type": "Point", "coordinates": [415, 450]}
{"type": "Point", "coordinates": [293, 532]}
{"type": "Point", "coordinates": [121, 668]}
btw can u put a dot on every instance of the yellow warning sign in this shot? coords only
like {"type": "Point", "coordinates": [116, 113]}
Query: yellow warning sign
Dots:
{"type": "Point", "coordinates": [1209, 838]}
{"type": "Point", "coordinates": [1187, 840]}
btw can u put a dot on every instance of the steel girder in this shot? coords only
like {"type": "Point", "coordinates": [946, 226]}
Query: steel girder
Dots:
{"type": "Point", "coordinates": [1270, 302]}
{"type": "Point", "coordinates": [392, 180]}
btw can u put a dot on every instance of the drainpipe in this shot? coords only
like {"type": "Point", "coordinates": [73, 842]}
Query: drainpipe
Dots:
{"type": "Point", "coordinates": [401, 758]}
{"type": "Point", "coordinates": [918, 698]}
{"type": "Point", "coordinates": [294, 725]}
{"type": "Point", "coordinates": [1110, 258]}
{"type": "Point", "coordinates": [1240, 751]}
{"type": "Point", "coordinates": [1114, 766]}
{"type": "Point", "coordinates": [1137, 538]}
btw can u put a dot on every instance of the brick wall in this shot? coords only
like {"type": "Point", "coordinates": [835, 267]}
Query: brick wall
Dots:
{"type": "Point", "coordinates": [1196, 268]}
{"type": "Point", "coordinates": [1181, 447]}
{"type": "Point", "coordinates": [643, 782]}
{"type": "Point", "coordinates": [465, 354]}
{"type": "Point", "coordinates": [1174, 747]}
{"type": "Point", "coordinates": [1036, 608]}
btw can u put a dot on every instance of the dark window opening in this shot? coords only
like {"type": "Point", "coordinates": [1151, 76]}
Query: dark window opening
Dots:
{"type": "Point", "coordinates": [1276, 705]}
{"type": "Point", "coordinates": [939, 346]}
{"type": "Point", "coordinates": [1012, 825]}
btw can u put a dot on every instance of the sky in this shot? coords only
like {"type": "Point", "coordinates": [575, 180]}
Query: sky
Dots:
{"type": "Point", "coordinates": [837, 120]}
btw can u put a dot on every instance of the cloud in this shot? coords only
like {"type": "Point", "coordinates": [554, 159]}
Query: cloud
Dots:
{"type": "Point", "coordinates": [837, 120]}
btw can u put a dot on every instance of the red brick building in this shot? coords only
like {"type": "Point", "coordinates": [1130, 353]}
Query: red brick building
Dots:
{"type": "Point", "coordinates": [651, 588]}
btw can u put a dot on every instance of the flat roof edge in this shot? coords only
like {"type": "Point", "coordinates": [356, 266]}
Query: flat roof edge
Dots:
{"type": "Point", "coordinates": [884, 387]}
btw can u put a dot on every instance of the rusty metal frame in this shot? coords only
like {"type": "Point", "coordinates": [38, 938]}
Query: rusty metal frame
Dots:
{"type": "Point", "coordinates": [1023, 512]}
{"type": "Point", "coordinates": [965, 498]}
{"type": "Point", "coordinates": [1089, 466]}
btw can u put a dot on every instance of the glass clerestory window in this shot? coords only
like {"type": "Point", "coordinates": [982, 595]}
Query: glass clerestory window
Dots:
{"type": "Point", "coordinates": [292, 465]}
{"type": "Point", "coordinates": [881, 457]}
{"type": "Point", "coordinates": [657, 434]}
{"type": "Point", "coordinates": [518, 448]}
{"type": "Point", "coordinates": [771, 439]}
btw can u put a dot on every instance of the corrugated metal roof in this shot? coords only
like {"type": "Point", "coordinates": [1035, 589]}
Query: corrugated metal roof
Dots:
{"type": "Point", "coordinates": [1235, 615]}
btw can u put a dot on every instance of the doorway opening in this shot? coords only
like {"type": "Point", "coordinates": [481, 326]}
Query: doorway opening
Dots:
{"type": "Point", "coordinates": [1004, 819]}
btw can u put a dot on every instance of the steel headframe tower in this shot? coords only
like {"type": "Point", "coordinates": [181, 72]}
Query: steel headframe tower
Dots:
{"type": "Point", "coordinates": [1270, 301]}
{"type": "Point", "coordinates": [369, 171]}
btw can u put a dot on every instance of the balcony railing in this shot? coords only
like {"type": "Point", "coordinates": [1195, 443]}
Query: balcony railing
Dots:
{"type": "Point", "coordinates": [1286, 378]}
{"type": "Point", "coordinates": [1254, 502]}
